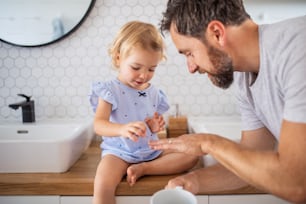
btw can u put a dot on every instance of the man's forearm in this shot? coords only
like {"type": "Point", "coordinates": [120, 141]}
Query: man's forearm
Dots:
{"type": "Point", "coordinates": [217, 179]}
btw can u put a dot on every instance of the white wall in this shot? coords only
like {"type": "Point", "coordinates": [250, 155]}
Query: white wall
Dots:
{"type": "Point", "coordinates": [269, 11]}
{"type": "Point", "coordinates": [58, 76]}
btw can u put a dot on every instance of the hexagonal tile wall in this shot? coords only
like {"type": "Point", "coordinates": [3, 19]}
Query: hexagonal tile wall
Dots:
{"type": "Point", "coordinates": [58, 76]}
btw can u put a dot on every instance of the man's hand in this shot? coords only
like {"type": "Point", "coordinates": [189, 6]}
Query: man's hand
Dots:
{"type": "Point", "coordinates": [189, 182]}
{"type": "Point", "coordinates": [192, 144]}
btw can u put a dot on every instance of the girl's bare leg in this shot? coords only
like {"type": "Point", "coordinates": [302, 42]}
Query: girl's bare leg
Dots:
{"type": "Point", "coordinates": [167, 163]}
{"type": "Point", "coordinates": [108, 175]}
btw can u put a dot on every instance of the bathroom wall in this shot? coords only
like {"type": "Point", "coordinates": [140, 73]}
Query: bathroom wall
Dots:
{"type": "Point", "coordinates": [58, 76]}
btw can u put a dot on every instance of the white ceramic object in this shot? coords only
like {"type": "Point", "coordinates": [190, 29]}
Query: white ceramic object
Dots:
{"type": "Point", "coordinates": [173, 196]}
{"type": "Point", "coordinates": [43, 146]}
{"type": "Point", "coordinates": [228, 127]}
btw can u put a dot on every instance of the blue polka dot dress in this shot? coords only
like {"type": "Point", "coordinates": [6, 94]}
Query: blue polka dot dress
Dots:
{"type": "Point", "coordinates": [129, 105]}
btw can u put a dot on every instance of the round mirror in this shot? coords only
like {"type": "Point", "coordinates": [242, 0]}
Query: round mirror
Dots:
{"type": "Point", "coordinates": [32, 23]}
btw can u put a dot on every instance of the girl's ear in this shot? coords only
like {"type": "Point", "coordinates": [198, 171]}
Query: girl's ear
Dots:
{"type": "Point", "coordinates": [117, 59]}
{"type": "Point", "coordinates": [216, 33]}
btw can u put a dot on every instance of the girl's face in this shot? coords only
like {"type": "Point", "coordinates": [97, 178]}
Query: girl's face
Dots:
{"type": "Point", "coordinates": [137, 69]}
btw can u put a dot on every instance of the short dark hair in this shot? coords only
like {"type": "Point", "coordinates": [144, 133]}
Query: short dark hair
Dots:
{"type": "Point", "coordinates": [191, 17]}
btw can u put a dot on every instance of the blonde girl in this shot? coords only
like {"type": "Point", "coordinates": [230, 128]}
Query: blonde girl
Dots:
{"type": "Point", "coordinates": [128, 114]}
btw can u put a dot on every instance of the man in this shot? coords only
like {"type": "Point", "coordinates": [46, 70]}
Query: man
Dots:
{"type": "Point", "coordinates": [219, 38]}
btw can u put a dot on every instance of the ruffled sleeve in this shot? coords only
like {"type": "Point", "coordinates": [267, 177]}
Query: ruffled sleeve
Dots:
{"type": "Point", "coordinates": [163, 104]}
{"type": "Point", "coordinates": [101, 90]}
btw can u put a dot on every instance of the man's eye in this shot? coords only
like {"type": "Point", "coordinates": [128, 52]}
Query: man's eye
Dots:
{"type": "Point", "coordinates": [152, 70]}
{"type": "Point", "coordinates": [188, 54]}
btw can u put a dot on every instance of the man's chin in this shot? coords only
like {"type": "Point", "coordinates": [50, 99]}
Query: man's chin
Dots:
{"type": "Point", "coordinates": [220, 84]}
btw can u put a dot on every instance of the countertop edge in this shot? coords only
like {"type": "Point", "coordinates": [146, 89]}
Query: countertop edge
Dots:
{"type": "Point", "coordinates": [78, 181]}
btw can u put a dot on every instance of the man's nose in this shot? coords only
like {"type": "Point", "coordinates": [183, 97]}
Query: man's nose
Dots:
{"type": "Point", "coordinates": [192, 67]}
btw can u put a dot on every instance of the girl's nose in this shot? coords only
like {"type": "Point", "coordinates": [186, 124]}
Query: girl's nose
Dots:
{"type": "Point", "coordinates": [143, 75]}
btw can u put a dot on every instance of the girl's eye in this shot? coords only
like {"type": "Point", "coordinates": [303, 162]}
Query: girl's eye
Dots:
{"type": "Point", "coordinates": [135, 68]}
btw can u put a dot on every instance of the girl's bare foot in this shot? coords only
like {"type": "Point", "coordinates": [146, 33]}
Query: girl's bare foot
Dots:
{"type": "Point", "coordinates": [134, 172]}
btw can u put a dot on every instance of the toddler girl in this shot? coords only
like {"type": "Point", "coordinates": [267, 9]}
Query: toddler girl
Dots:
{"type": "Point", "coordinates": [128, 114]}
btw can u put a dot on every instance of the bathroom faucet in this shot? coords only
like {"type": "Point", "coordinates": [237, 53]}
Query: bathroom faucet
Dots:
{"type": "Point", "coordinates": [28, 113]}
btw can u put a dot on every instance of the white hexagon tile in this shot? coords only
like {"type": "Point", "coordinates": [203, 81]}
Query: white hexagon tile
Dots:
{"type": "Point", "coordinates": [58, 76]}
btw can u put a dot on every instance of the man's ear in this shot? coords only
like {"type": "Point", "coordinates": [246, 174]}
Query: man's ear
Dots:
{"type": "Point", "coordinates": [215, 33]}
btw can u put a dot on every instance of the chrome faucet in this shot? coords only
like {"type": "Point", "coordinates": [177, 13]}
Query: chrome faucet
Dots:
{"type": "Point", "coordinates": [28, 112]}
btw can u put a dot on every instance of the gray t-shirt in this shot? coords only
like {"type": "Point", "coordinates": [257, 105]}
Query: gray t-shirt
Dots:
{"type": "Point", "coordinates": [279, 91]}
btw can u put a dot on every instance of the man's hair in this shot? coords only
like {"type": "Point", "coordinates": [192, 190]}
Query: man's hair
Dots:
{"type": "Point", "coordinates": [191, 17]}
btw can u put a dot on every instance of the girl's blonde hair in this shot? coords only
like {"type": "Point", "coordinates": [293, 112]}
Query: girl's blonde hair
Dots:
{"type": "Point", "coordinates": [136, 33]}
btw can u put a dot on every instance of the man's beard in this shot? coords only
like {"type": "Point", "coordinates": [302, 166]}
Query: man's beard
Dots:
{"type": "Point", "coordinates": [223, 65]}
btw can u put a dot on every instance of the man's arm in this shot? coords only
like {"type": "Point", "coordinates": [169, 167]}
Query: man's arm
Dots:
{"type": "Point", "coordinates": [217, 178]}
{"type": "Point", "coordinates": [281, 172]}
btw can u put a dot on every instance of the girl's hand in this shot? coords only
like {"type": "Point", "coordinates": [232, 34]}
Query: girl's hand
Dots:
{"type": "Point", "coordinates": [156, 123]}
{"type": "Point", "coordinates": [133, 130]}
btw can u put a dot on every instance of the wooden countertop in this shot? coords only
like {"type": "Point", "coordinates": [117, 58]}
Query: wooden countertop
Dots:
{"type": "Point", "coordinates": [79, 181]}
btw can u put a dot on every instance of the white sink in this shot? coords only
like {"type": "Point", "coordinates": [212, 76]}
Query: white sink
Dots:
{"type": "Point", "coordinates": [228, 127]}
{"type": "Point", "coordinates": [43, 146]}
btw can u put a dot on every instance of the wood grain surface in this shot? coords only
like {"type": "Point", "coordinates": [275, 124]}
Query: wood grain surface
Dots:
{"type": "Point", "coordinates": [79, 181]}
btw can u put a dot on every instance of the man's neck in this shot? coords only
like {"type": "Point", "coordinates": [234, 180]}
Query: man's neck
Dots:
{"type": "Point", "coordinates": [243, 46]}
